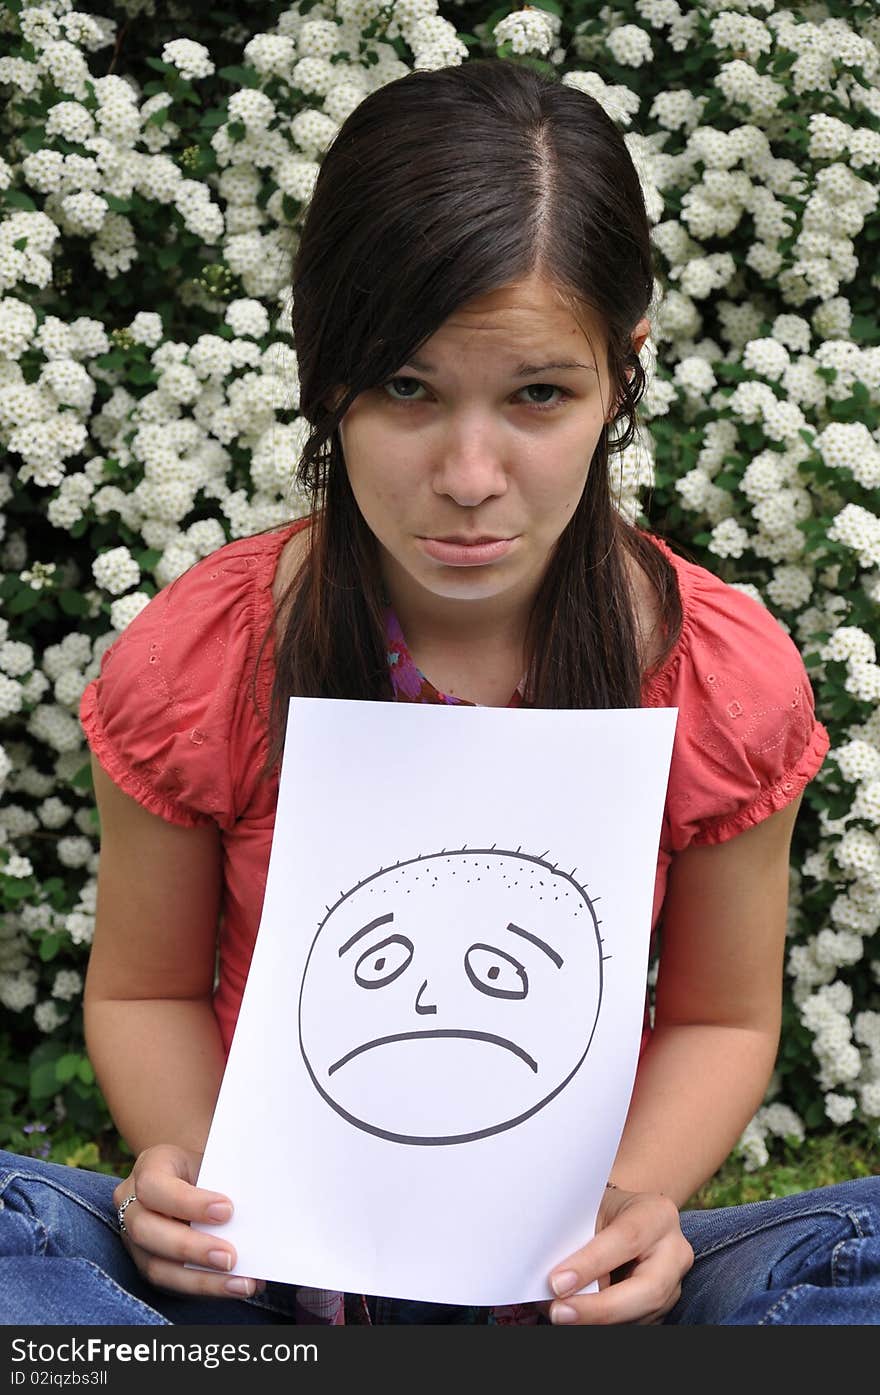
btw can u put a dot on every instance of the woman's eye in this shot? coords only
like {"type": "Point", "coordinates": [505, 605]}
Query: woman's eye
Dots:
{"type": "Point", "coordinates": [397, 389]}
{"type": "Point", "coordinates": [543, 393]}
{"type": "Point", "coordinates": [384, 962]}
{"type": "Point", "coordinates": [495, 973]}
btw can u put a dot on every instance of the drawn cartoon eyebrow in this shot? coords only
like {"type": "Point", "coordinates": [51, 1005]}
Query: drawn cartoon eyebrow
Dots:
{"type": "Point", "coordinates": [557, 959]}
{"type": "Point", "coordinates": [373, 925]}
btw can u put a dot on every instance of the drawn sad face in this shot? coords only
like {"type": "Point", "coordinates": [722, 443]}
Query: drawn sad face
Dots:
{"type": "Point", "coordinates": [452, 996]}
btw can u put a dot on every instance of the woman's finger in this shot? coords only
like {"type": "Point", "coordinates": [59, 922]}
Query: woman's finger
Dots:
{"type": "Point", "coordinates": [631, 1234]}
{"type": "Point", "coordinates": [170, 1195]}
{"type": "Point", "coordinates": [652, 1289]}
{"type": "Point", "coordinates": [174, 1278]}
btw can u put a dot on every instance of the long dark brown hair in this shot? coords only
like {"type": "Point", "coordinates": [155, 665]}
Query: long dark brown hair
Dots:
{"type": "Point", "coordinates": [440, 187]}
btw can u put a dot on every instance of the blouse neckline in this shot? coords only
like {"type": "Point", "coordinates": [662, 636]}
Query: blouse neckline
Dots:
{"type": "Point", "coordinates": [408, 682]}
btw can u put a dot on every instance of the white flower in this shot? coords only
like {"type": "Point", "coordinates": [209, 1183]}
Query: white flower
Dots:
{"type": "Point", "coordinates": [850, 446]}
{"type": "Point", "coordinates": [766, 357]}
{"type": "Point", "coordinates": [48, 1016]}
{"type": "Point", "coordinates": [314, 76]}
{"type": "Point", "coordinates": [695, 376]}
{"type": "Point", "coordinates": [272, 55]}
{"type": "Point", "coordinates": [191, 60]}
{"type": "Point", "coordinates": [318, 38]}
{"type": "Point", "coordinates": [18, 990]}
{"type": "Point", "coordinates": [17, 867]}
{"type": "Point", "coordinates": [253, 108]}
{"type": "Point", "coordinates": [863, 681]}
{"type": "Point", "coordinates": [839, 1108]}
{"type": "Point", "coordinates": [527, 31]}
{"type": "Point", "coordinates": [858, 853]}
{"type": "Point", "coordinates": [127, 608]}
{"type": "Point", "coordinates": [80, 927]}
{"type": "Point", "coordinates": [74, 851]}
{"type": "Point", "coordinates": [728, 539]}
{"type": "Point", "coordinates": [116, 571]}
{"type": "Point", "coordinates": [67, 985]}
{"type": "Point", "coordinates": [859, 530]}
{"type": "Point", "coordinates": [848, 643]}
{"type": "Point", "coordinates": [629, 45]}
{"type": "Point", "coordinates": [857, 760]}
{"type": "Point", "coordinates": [866, 804]}
{"type": "Point", "coordinates": [146, 328]}
{"type": "Point", "coordinates": [248, 317]}
{"type": "Point", "coordinates": [790, 587]}
{"type": "Point", "coordinates": [53, 812]}
{"type": "Point", "coordinates": [741, 32]}
{"type": "Point", "coordinates": [16, 658]}
{"type": "Point", "coordinates": [313, 131]}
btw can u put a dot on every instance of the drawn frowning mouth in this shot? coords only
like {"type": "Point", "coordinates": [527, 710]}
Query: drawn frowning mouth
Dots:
{"type": "Point", "coordinates": [438, 1032]}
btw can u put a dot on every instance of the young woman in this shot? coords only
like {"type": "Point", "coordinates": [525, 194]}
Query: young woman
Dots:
{"type": "Point", "coordinates": [471, 292]}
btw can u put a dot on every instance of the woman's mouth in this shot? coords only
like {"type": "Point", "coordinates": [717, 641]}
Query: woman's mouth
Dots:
{"type": "Point", "coordinates": [456, 551]}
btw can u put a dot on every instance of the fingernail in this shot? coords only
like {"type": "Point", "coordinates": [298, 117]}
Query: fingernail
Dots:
{"type": "Point", "coordinates": [243, 1287]}
{"type": "Point", "coordinates": [219, 1211]}
{"type": "Point", "coordinates": [563, 1283]}
{"type": "Point", "coordinates": [561, 1313]}
{"type": "Point", "coordinates": [221, 1259]}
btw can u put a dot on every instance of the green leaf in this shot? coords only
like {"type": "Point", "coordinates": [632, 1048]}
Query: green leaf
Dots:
{"type": "Point", "coordinates": [33, 139]}
{"type": "Point", "coordinates": [68, 1066]}
{"type": "Point", "coordinates": [85, 1072]}
{"type": "Point", "coordinates": [169, 255]}
{"type": "Point", "coordinates": [142, 374]}
{"type": "Point", "coordinates": [26, 599]}
{"type": "Point", "coordinates": [83, 780]}
{"type": "Point", "coordinates": [237, 130]}
{"type": "Point", "coordinates": [50, 945]}
{"type": "Point", "coordinates": [73, 603]}
{"type": "Point", "coordinates": [44, 1082]}
{"type": "Point", "coordinates": [148, 559]}
{"type": "Point", "coordinates": [117, 205]}
{"type": "Point", "coordinates": [245, 77]}
{"type": "Point", "coordinates": [215, 117]}
{"type": "Point", "coordinates": [17, 199]}
{"type": "Point", "coordinates": [159, 67]}
{"type": "Point", "coordinates": [158, 118]}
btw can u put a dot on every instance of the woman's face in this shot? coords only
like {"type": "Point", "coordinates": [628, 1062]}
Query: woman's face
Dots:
{"type": "Point", "coordinates": [468, 464]}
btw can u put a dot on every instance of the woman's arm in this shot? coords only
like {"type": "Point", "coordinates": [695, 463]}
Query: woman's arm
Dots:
{"type": "Point", "coordinates": [703, 1075]}
{"type": "Point", "coordinates": [718, 1010]}
{"type": "Point", "coordinates": [150, 1028]}
{"type": "Point", "coordinates": [152, 1035]}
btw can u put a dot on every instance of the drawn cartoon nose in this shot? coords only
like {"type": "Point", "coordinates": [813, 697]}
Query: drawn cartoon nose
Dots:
{"type": "Point", "coordinates": [424, 1007]}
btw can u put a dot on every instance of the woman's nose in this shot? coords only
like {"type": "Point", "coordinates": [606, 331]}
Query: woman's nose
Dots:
{"type": "Point", "coordinates": [470, 465]}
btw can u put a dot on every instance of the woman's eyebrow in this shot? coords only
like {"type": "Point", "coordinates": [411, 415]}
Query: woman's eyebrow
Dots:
{"type": "Point", "coordinates": [557, 959]}
{"type": "Point", "coordinates": [373, 925]}
{"type": "Point", "coordinates": [523, 370]}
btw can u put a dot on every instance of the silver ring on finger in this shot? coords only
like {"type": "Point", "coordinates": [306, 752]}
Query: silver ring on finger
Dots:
{"type": "Point", "coordinates": [120, 1213]}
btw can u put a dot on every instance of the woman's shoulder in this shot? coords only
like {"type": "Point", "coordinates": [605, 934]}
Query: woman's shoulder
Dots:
{"type": "Point", "coordinates": [174, 715]}
{"type": "Point", "coordinates": [747, 739]}
{"type": "Point", "coordinates": [727, 631]}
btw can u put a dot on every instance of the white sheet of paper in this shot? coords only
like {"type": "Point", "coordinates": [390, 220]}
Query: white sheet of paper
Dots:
{"type": "Point", "coordinates": [440, 1028]}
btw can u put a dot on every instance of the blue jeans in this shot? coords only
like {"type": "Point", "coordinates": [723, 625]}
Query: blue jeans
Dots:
{"type": "Point", "coordinates": [810, 1259]}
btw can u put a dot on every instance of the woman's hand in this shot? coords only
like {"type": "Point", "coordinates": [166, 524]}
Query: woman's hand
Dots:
{"type": "Point", "coordinates": [639, 1257]}
{"type": "Point", "coordinates": [157, 1233]}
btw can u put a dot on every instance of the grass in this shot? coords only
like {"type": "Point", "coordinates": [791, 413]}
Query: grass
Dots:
{"type": "Point", "coordinates": [793, 1167]}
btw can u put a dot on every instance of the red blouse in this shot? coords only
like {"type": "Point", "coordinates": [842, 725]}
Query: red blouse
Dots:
{"type": "Point", "coordinates": [172, 720]}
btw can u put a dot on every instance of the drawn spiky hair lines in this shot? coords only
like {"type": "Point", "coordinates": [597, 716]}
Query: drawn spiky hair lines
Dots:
{"type": "Point", "coordinates": [538, 859]}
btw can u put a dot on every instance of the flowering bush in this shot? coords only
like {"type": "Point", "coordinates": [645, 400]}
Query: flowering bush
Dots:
{"type": "Point", "coordinates": [150, 191]}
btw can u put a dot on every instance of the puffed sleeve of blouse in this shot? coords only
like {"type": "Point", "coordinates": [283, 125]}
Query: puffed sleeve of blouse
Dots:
{"type": "Point", "coordinates": [747, 740]}
{"type": "Point", "coordinates": [170, 716]}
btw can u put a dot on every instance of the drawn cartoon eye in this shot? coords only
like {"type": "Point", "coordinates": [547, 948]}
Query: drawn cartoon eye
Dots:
{"type": "Point", "coordinates": [496, 973]}
{"type": "Point", "coordinates": [384, 962]}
